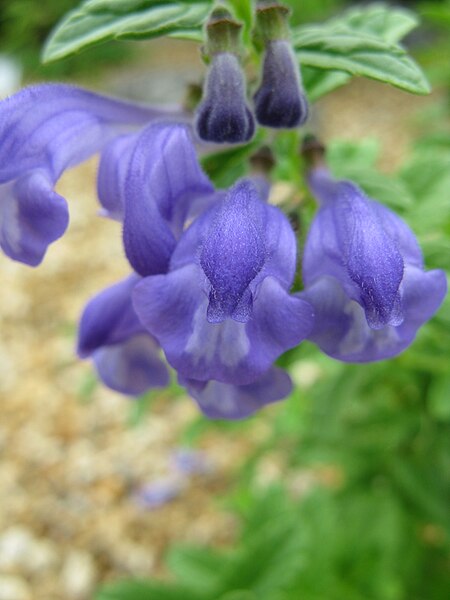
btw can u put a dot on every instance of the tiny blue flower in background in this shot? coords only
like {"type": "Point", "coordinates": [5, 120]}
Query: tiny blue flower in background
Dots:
{"type": "Point", "coordinates": [159, 492]}
{"type": "Point", "coordinates": [192, 462]}
{"type": "Point", "coordinates": [223, 115]}
{"type": "Point", "coordinates": [184, 465]}
{"type": "Point", "coordinates": [223, 311]}
{"type": "Point", "coordinates": [280, 100]}
{"type": "Point", "coordinates": [44, 130]}
{"type": "Point", "coordinates": [126, 356]}
{"type": "Point", "coordinates": [364, 275]}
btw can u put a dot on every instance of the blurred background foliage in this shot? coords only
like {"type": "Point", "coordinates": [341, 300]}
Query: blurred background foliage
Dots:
{"type": "Point", "coordinates": [24, 28]}
{"type": "Point", "coordinates": [359, 506]}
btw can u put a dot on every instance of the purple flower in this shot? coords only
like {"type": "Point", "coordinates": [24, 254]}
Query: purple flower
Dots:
{"type": "Point", "coordinates": [187, 461]}
{"type": "Point", "coordinates": [219, 400]}
{"type": "Point", "coordinates": [363, 273]}
{"type": "Point", "coordinates": [162, 187]}
{"type": "Point", "coordinates": [44, 130]}
{"type": "Point", "coordinates": [223, 311]}
{"type": "Point", "coordinates": [223, 115]}
{"type": "Point", "coordinates": [126, 356]}
{"type": "Point", "coordinates": [280, 100]}
{"type": "Point", "coordinates": [159, 492]}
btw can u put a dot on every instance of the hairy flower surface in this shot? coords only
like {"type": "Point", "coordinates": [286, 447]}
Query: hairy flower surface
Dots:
{"type": "Point", "coordinates": [164, 186]}
{"type": "Point", "coordinates": [223, 311]}
{"type": "Point", "coordinates": [363, 273]}
{"type": "Point", "coordinates": [280, 100]}
{"type": "Point", "coordinates": [126, 356]}
{"type": "Point", "coordinates": [223, 115]}
{"type": "Point", "coordinates": [44, 130]}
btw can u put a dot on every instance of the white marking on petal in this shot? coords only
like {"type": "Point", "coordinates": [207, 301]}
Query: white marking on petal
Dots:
{"type": "Point", "coordinates": [359, 332]}
{"type": "Point", "coordinates": [227, 341]}
{"type": "Point", "coordinates": [360, 335]}
{"type": "Point", "coordinates": [220, 396]}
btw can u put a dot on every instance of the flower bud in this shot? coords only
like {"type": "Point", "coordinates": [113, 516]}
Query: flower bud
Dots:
{"type": "Point", "coordinates": [280, 100]}
{"type": "Point", "coordinates": [223, 115]}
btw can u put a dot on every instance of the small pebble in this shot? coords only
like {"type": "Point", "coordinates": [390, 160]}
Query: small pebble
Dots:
{"type": "Point", "coordinates": [78, 576]}
{"type": "Point", "coordinates": [14, 588]}
{"type": "Point", "coordinates": [15, 547]}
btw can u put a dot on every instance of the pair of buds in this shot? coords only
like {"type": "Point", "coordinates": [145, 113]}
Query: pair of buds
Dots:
{"type": "Point", "coordinates": [224, 115]}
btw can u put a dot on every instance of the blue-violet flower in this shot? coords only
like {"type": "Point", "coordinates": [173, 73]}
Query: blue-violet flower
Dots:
{"type": "Point", "coordinates": [126, 356]}
{"type": "Point", "coordinates": [223, 311]}
{"type": "Point", "coordinates": [364, 275]}
{"type": "Point", "coordinates": [44, 130]}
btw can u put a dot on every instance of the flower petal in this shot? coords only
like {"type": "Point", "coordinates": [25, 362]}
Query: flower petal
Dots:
{"type": "Point", "coordinates": [32, 216]}
{"type": "Point", "coordinates": [173, 308]}
{"type": "Point", "coordinates": [226, 401]}
{"type": "Point", "coordinates": [164, 177]}
{"type": "Point", "coordinates": [341, 329]}
{"type": "Point", "coordinates": [279, 322]}
{"type": "Point", "coordinates": [242, 214]}
{"type": "Point", "coordinates": [108, 318]}
{"type": "Point", "coordinates": [422, 294]}
{"type": "Point", "coordinates": [233, 251]}
{"type": "Point", "coordinates": [402, 235]}
{"type": "Point", "coordinates": [348, 240]}
{"type": "Point", "coordinates": [45, 129]}
{"type": "Point", "coordinates": [56, 126]}
{"type": "Point", "coordinates": [111, 176]}
{"type": "Point", "coordinates": [132, 367]}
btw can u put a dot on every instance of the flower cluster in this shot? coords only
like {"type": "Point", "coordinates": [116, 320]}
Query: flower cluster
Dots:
{"type": "Point", "coordinates": [211, 269]}
{"type": "Point", "coordinates": [213, 295]}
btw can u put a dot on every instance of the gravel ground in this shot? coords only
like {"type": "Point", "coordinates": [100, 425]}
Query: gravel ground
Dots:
{"type": "Point", "coordinates": [70, 469]}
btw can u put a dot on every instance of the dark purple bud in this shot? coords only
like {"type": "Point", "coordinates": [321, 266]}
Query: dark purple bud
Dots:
{"type": "Point", "coordinates": [280, 100]}
{"type": "Point", "coordinates": [223, 115]}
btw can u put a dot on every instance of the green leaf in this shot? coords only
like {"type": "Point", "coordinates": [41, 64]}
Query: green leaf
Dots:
{"type": "Point", "coordinates": [436, 12]}
{"type": "Point", "coordinates": [243, 11]}
{"type": "Point", "coordinates": [197, 568]}
{"type": "Point", "coordinates": [226, 166]}
{"type": "Point", "coordinates": [239, 595]}
{"type": "Point", "coordinates": [357, 161]}
{"type": "Point", "coordinates": [362, 154]}
{"type": "Point", "coordinates": [144, 590]}
{"type": "Point", "coordinates": [96, 21]}
{"type": "Point", "coordinates": [359, 54]}
{"type": "Point", "coordinates": [386, 22]}
{"type": "Point", "coordinates": [363, 41]}
{"type": "Point", "coordinates": [318, 82]}
{"type": "Point", "coordinates": [439, 398]}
